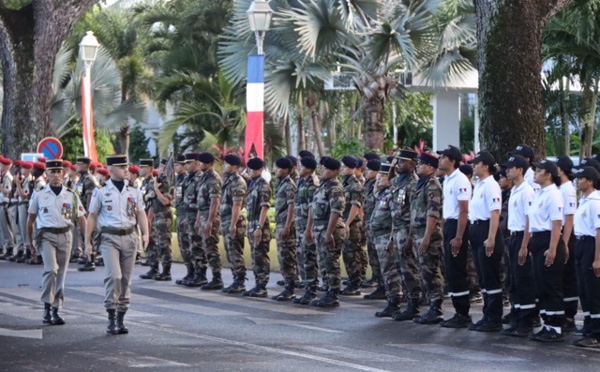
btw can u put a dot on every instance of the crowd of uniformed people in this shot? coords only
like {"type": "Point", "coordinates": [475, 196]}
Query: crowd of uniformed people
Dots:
{"type": "Point", "coordinates": [430, 227]}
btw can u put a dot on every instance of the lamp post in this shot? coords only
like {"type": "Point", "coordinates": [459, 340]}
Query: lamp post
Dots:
{"type": "Point", "coordinates": [88, 50]}
{"type": "Point", "coordinates": [259, 17]}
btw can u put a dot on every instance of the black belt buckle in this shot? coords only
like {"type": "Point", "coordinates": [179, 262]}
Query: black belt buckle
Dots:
{"type": "Point", "coordinates": [516, 233]}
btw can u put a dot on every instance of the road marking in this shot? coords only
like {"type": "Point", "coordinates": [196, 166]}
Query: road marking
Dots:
{"type": "Point", "coordinates": [131, 360]}
{"type": "Point", "coordinates": [196, 309]}
{"type": "Point", "coordinates": [351, 353]}
{"type": "Point", "coordinates": [459, 353]}
{"type": "Point", "coordinates": [28, 333]}
{"type": "Point", "coordinates": [291, 323]}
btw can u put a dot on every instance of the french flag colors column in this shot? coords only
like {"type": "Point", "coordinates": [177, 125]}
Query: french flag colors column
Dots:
{"type": "Point", "coordinates": [255, 105]}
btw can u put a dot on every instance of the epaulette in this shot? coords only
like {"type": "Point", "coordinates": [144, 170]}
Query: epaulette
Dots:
{"type": "Point", "coordinates": [69, 190]}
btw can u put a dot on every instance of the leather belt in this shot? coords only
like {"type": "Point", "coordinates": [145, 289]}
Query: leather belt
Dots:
{"type": "Point", "coordinates": [55, 230]}
{"type": "Point", "coordinates": [517, 233]}
{"type": "Point", "coordinates": [479, 222]}
{"type": "Point", "coordinates": [119, 232]}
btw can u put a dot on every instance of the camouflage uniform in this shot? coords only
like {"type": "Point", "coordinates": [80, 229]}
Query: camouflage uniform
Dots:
{"type": "Point", "coordinates": [259, 196]}
{"type": "Point", "coordinates": [368, 207]}
{"type": "Point", "coordinates": [163, 223]}
{"type": "Point", "coordinates": [208, 189]}
{"type": "Point", "coordinates": [381, 233]}
{"type": "Point", "coordinates": [353, 194]}
{"type": "Point", "coordinates": [329, 198]}
{"type": "Point", "coordinates": [286, 250]}
{"type": "Point", "coordinates": [86, 184]}
{"type": "Point", "coordinates": [234, 189]}
{"type": "Point", "coordinates": [426, 201]}
{"type": "Point", "coordinates": [149, 195]}
{"type": "Point", "coordinates": [190, 200]}
{"type": "Point", "coordinates": [306, 253]}
{"type": "Point", "coordinates": [182, 233]}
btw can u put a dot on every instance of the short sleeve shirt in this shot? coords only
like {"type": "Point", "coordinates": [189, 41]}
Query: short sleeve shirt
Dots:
{"type": "Point", "coordinates": [547, 207]}
{"type": "Point", "coordinates": [284, 196]}
{"type": "Point", "coordinates": [116, 209]}
{"type": "Point", "coordinates": [587, 216]}
{"type": "Point", "coordinates": [521, 199]}
{"type": "Point", "coordinates": [529, 174]}
{"type": "Point", "coordinates": [569, 199]}
{"type": "Point", "coordinates": [56, 211]}
{"type": "Point", "coordinates": [487, 197]}
{"type": "Point", "coordinates": [457, 187]}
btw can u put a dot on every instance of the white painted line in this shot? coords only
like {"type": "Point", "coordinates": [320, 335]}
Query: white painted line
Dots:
{"type": "Point", "coordinates": [198, 309]}
{"type": "Point", "coordinates": [356, 354]}
{"type": "Point", "coordinates": [29, 333]}
{"type": "Point", "coordinates": [291, 323]}
{"type": "Point", "coordinates": [458, 353]}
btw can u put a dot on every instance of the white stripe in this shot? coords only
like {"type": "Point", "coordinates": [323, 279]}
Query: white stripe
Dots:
{"type": "Point", "coordinates": [553, 312]}
{"type": "Point", "coordinates": [483, 291]}
{"type": "Point", "coordinates": [458, 294]}
{"type": "Point", "coordinates": [586, 313]}
{"type": "Point", "coordinates": [595, 316]}
{"type": "Point", "coordinates": [255, 97]}
{"type": "Point", "coordinates": [569, 299]}
{"type": "Point", "coordinates": [525, 307]}
{"type": "Point", "coordinates": [494, 291]}
{"type": "Point", "coordinates": [517, 306]}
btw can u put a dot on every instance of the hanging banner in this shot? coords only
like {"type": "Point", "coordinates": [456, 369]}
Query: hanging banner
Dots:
{"type": "Point", "coordinates": [89, 141]}
{"type": "Point", "coordinates": [255, 92]}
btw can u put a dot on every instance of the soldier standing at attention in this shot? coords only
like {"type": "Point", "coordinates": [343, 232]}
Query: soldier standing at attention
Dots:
{"type": "Point", "coordinates": [134, 177]}
{"type": "Point", "coordinates": [54, 210]}
{"type": "Point", "coordinates": [190, 200]}
{"type": "Point", "coordinates": [148, 194]}
{"type": "Point", "coordinates": [163, 222]}
{"type": "Point", "coordinates": [259, 233]}
{"type": "Point", "coordinates": [182, 233]}
{"type": "Point", "coordinates": [306, 252]}
{"type": "Point", "coordinates": [14, 210]}
{"type": "Point", "coordinates": [285, 229]}
{"type": "Point", "coordinates": [457, 194]}
{"type": "Point", "coordinates": [426, 233]}
{"type": "Point", "coordinates": [117, 209]}
{"type": "Point", "coordinates": [5, 225]}
{"type": "Point", "coordinates": [370, 200]}
{"type": "Point", "coordinates": [208, 222]}
{"type": "Point", "coordinates": [353, 194]}
{"type": "Point", "coordinates": [85, 188]}
{"type": "Point", "coordinates": [233, 222]}
{"type": "Point", "coordinates": [24, 192]}
{"type": "Point", "coordinates": [326, 226]}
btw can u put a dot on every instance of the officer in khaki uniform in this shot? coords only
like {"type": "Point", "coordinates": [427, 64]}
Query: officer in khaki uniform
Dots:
{"type": "Point", "coordinates": [54, 209]}
{"type": "Point", "coordinates": [6, 232]}
{"type": "Point", "coordinates": [117, 209]}
{"type": "Point", "coordinates": [24, 191]}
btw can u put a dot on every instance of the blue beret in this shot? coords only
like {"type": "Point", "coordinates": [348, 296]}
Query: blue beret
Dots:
{"type": "Point", "coordinates": [284, 163]}
{"type": "Point", "coordinates": [293, 159]}
{"type": "Point", "coordinates": [374, 164]}
{"type": "Point", "coordinates": [233, 159]}
{"type": "Point", "coordinates": [331, 163]}
{"type": "Point", "coordinates": [371, 156]}
{"type": "Point", "coordinates": [206, 157]}
{"type": "Point", "coordinates": [350, 162]}
{"type": "Point", "coordinates": [308, 162]}
{"type": "Point", "coordinates": [256, 163]}
{"type": "Point", "coordinates": [306, 154]}
{"type": "Point", "coordinates": [428, 159]}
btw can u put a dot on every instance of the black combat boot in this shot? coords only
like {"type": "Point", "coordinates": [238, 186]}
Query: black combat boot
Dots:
{"type": "Point", "coordinates": [260, 290]}
{"type": "Point", "coordinates": [47, 317]}
{"type": "Point", "coordinates": [377, 294]}
{"type": "Point", "coordinates": [189, 276]}
{"type": "Point", "coordinates": [238, 285]}
{"type": "Point", "coordinates": [112, 325]}
{"type": "Point", "coordinates": [16, 256]}
{"type": "Point", "coordinates": [199, 278]}
{"type": "Point", "coordinates": [56, 319]}
{"type": "Point", "coordinates": [411, 311]}
{"type": "Point", "coordinates": [214, 284]}
{"type": "Point", "coordinates": [392, 308]}
{"type": "Point", "coordinates": [165, 276]}
{"type": "Point", "coordinates": [99, 261]}
{"type": "Point", "coordinates": [146, 262]}
{"type": "Point", "coordinates": [151, 273]}
{"type": "Point", "coordinates": [353, 288]}
{"type": "Point", "coordinates": [121, 329]}
{"type": "Point", "coordinates": [309, 295]}
{"type": "Point", "coordinates": [7, 255]}
{"type": "Point", "coordinates": [287, 294]}
{"type": "Point", "coordinates": [89, 265]}
{"type": "Point", "coordinates": [26, 256]}
{"type": "Point", "coordinates": [329, 300]}
{"type": "Point", "coordinates": [433, 315]}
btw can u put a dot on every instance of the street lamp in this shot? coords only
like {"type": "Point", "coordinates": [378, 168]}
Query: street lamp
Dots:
{"type": "Point", "coordinates": [259, 16]}
{"type": "Point", "coordinates": [88, 50]}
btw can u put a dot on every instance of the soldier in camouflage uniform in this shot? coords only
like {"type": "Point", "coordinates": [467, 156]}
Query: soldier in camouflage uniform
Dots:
{"type": "Point", "coordinates": [426, 233]}
{"type": "Point", "coordinates": [149, 194]}
{"type": "Point", "coordinates": [85, 188]}
{"type": "Point", "coordinates": [190, 200]}
{"type": "Point", "coordinates": [208, 222]}
{"type": "Point", "coordinates": [163, 221]}
{"type": "Point", "coordinates": [373, 166]}
{"type": "Point", "coordinates": [285, 229]}
{"type": "Point", "coordinates": [307, 253]}
{"type": "Point", "coordinates": [233, 222]}
{"type": "Point", "coordinates": [353, 194]}
{"type": "Point", "coordinates": [363, 254]}
{"type": "Point", "coordinates": [326, 228]}
{"type": "Point", "coordinates": [259, 233]}
{"type": "Point", "coordinates": [182, 233]}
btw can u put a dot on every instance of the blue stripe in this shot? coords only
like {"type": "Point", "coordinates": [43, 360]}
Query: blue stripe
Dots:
{"type": "Point", "coordinates": [256, 69]}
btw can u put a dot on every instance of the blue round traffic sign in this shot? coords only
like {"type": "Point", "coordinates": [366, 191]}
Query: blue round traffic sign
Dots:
{"type": "Point", "coordinates": [50, 147]}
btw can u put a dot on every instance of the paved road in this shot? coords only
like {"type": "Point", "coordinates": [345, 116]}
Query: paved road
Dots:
{"type": "Point", "coordinates": [182, 329]}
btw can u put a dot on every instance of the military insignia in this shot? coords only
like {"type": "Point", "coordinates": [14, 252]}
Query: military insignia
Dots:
{"type": "Point", "coordinates": [109, 208]}
{"type": "Point", "coordinates": [81, 208]}
{"type": "Point", "coordinates": [495, 200]}
{"type": "Point", "coordinates": [45, 210]}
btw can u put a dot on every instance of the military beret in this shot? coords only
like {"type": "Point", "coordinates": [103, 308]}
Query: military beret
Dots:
{"type": "Point", "coordinates": [73, 167]}
{"type": "Point", "coordinates": [39, 165]}
{"type": "Point", "coordinates": [385, 168]}
{"type": "Point", "coordinates": [306, 154]}
{"type": "Point", "coordinates": [180, 159]}
{"type": "Point", "coordinates": [371, 156]}
{"type": "Point", "coordinates": [93, 165]}
{"type": "Point", "coordinates": [67, 164]}
{"type": "Point", "coordinates": [256, 163]}
{"type": "Point", "coordinates": [293, 159]}
{"type": "Point", "coordinates": [155, 172]}
{"type": "Point", "coordinates": [308, 162]}
{"type": "Point", "coordinates": [83, 160]}
{"type": "Point", "coordinates": [233, 159]}
{"type": "Point", "coordinates": [54, 164]}
{"type": "Point", "coordinates": [42, 159]}
{"type": "Point", "coordinates": [374, 164]}
{"type": "Point", "coordinates": [118, 159]}
{"type": "Point", "coordinates": [332, 163]}
{"type": "Point", "coordinates": [428, 159]}
{"type": "Point", "coordinates": [408, 154]}
{"type": "Point", "coordinates": [146, 162]}
{"type": "Point", "coordinates": [134, 169]}
{"type": "Point", "coordinates": [206, 158]}
{"type": "Point", "coordinates": [27, 165]}
{"type": "Point", "coordinates": [284, 163]}
{"type": "Point", "coordinates": [359, 163]}
{"type": "Point", "coordinates": [103, 171]}
{"type": "Point", "coordinates": [6, 161]}
{"type": "Point", "coordinates": [164, 161]}
{"type": "Point", "coordinates": [18, 162]}
{"type": "Point", "coordinates": [322, 160]}
{"type": "Point", "coordinates": [350, 162]}
{"type": "Point", "coordinates": [191, 156]}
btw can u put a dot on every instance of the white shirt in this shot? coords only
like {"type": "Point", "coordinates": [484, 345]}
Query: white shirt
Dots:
{"type": "Point", "coordinates": [116, 209]}
{"type": "Point", "coordinates": [547, 207]}
{"type": "Point", "coordinates": [56, 211]}
{"type": "Point", "coordinates": [587, 216]}
{"type": "Point", "coordinates": [521, 199]}
{"type": "Point", "coordinates": [529, 178]}
{"type": "Point", "coordinates": [457, 187]}
{"type": "Point", "coordinates": [6, 185]}
{"type": "Point", "coordinates": [569, 199]}
{"type": "Point", "coordinates": [487, 197]}
{"type": "Point", "coordinates": [25, 186]}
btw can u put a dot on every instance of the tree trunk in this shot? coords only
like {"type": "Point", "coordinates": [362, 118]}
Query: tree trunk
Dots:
{"type": "Point", "coordinates": [287, 134]}
{"type": "Point", "coordinates": [301, 137]}
{"type": "Point", "coordinates": [312, 101]}
{"type": "Point", "coordinates": [124, 138]}
{"type": "Point", "coordinates": [510, 88]}
{"type": "Point", "coordinates": [30, 39]}
{"type": "Point", "coordinates": [590, 99]}
{"type": "Point", "coordinates": [565, 119]}
{"type": "Point", "coordinates": [373, 122]}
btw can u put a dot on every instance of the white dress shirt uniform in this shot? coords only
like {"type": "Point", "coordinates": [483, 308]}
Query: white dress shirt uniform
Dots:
{"type": "Point", "coordinates": [529, 178]}
{"type": "Point", "coordinates": [547, 207]}
{"type": "Point", "coordinates": [487, 197]}
{"type": "Point", "coordinates": [521, 199]}
{"type": "Point", "coordinates": [457, 187]}
{"type": "Point", "coordinates": [55, 216]}
{"type": "Point", "coordinates": [117, 221]}
{"type": "Point", "coordinates": [569, 195]}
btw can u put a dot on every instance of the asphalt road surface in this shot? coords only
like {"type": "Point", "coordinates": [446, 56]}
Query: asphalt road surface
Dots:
{"type": "Point", "coordinates": [173, 328]}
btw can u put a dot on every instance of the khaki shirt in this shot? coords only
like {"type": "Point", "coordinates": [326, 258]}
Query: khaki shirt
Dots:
{"type": "Point", "coordinates": [116, 209]}
{"type": "Point", "coordinates": [55, 211]}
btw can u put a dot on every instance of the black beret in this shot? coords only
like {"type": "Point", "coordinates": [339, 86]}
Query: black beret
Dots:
{"type": "Point", "coordinates": [306, 154]}
{"type": "Point", "coordinates": [331, 163]}
{"type": "Point", "coordinates": [164, 161]}
{"type": "Point", "coordinates": [350, 162]}
{"type": "Point", "coordinates": [371, 156]}
{"type": "Point", "coordinates": [284, 163]}
{"type": "Point", "coordinates": [428, 159]}
{"type": "Point", "coordinates": [293, 159]}
{"type": "Point", "coordinates": [308, 162]}
{"type": "Point", "coordinates": [206, 158]}
{"type": "Point", "coordinates": [359, 162]}
{"type": "Point", "coordinates": [322, 160]}
{"type": "Point", "coordinates": [374, 164]}
{"type": "Point", "coordinates": [256, 163]}
{"type": "Point", "coordinates": [180, 159]}
{"type": "Point", "coordinates": [233, 159]}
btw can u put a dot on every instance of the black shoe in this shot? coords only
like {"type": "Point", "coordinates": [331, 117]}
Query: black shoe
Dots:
{"type": "Point", "coordinates": [329, 300]}
{"type": "Point", "coordinates": [569, 326]}
{"type": "Point", "coordinates": [309, 296]}
{"type": "Point", "coordinates": [236, 287]}
{"type": "Point", "coordinates": [7, 255]}
{"type": "Point", "coordinates": [89, 266]}
{"type": "Point", "coordinates": [433, 315]}
{"type": "Point", "coordinates": [199, 278]}
{"type": "Point", "coordinates": [517, 331]}
{"type": "Point", "coordinates": [151, 273]}
{"type": "Point", "coordinates": [536, 322]}
{"type": "Point", "coordinates": [352, 289]}
{"type": "Point", "coordinates": [82, 261]}
{"type": "Point", "coordinates": [547, 335]}
{"type": "Point", "coordinates": [74, 259]}
{"type": "Point", "coordinates": [371, 283]}
{"type": "Point", "coordinates": [121, 329]}
{"type": "Point", "coordinates": [590, 342]}
{"type": "Point", "coordinates": [411, 311]}
{"type": "Point", "coordinates": [506, 319]}
{"type": "Point", "coordinates": [378, 294]}
{"type": "Point", "coordinates": [24, 258]}
{"type": "Point", "coordinates": [258, 291]}
{"type": "Point", "coordinates": [189, 276]}
{"type": "Point", "coordinates": [112, 322]}
{"type": "Point", "coordinates": [215, 284]}
{"type": "Point", "coordinates": [56, 319]}
{"type": "Point", "coordinates": [286, 295]}
{"type": "Point", "coordinates": [488, 326]}
{"type": "Point", "coordinates": [146, 262]}
{"type": "Point", "coordinates": [163, 277]}
{"type": "Point", "coordinates": [47, 316]}
{"type": "Point", "coordinates": [16, 256]}
{"type": "Point", "coordinates": [99, 261]}
{"type": "Point", "coordinates": [457, 321]}
{"type": "Point", "coordinates": [281, 282]}
{"type": "Point", "coordinates": [392, 308]}
{"type": "Point", "coordinates": [473, 327]}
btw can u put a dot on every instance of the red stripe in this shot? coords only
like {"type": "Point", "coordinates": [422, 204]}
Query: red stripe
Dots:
{"type": "Point", "coordinates": [254, 134]}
